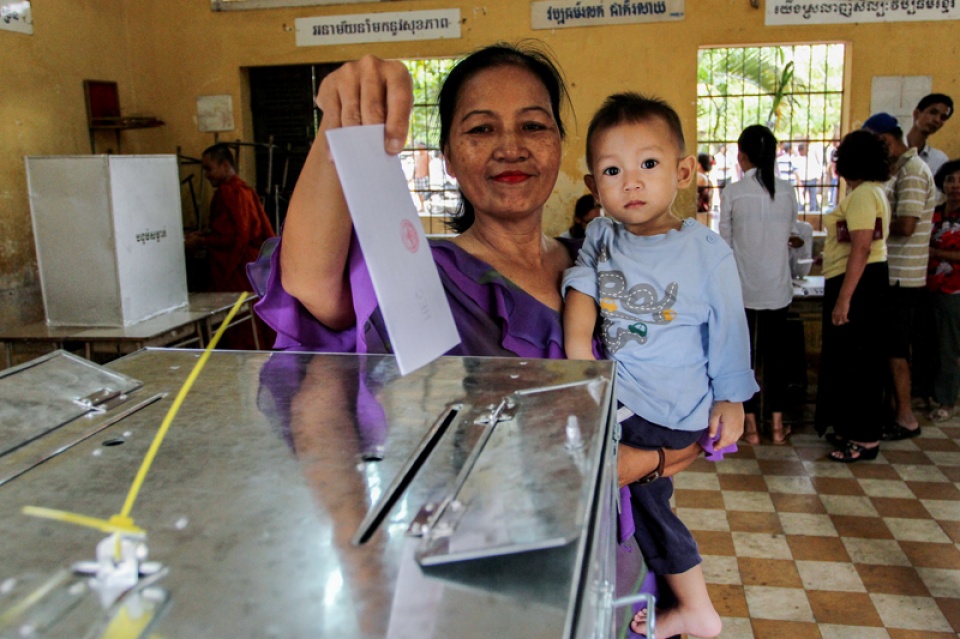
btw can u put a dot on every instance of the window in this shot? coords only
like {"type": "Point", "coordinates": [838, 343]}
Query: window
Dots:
{"type": "Point", "coordinates": [434, 192]}
{"type": "Point", "coordinates": [797, 92]}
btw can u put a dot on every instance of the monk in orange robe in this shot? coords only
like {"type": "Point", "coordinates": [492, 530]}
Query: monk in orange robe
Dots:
{"type": "Point", "coordinates": [238, 225]}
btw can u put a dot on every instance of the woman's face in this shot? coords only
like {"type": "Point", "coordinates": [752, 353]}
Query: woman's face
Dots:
{"type": "Point", "coordinates": [951, 187]}
{"type": "Point", "coordinates": [504, 146]}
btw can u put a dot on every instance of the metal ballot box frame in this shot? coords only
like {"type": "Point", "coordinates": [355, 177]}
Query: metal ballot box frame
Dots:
{"type": "Point", "coordinates": [305, 495]}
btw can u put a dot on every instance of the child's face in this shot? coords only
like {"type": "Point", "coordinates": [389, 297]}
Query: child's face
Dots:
{"type": "Point", "coordinates": [637, 170]}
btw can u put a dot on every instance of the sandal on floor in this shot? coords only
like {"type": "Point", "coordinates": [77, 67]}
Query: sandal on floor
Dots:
{"type": "Point", "coordinates": [853, 453]}
{"type": "Point", "coordinates": [940, 415]}
{"type": "Point", "coordinates": [784, 436]}
{"type": "Point", "coordinates": [895, 432]}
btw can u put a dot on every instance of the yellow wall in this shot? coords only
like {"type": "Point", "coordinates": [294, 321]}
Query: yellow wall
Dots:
{"type": "Point", "coordinates": [42, 112]}
{"type": "Point", "coordinates": [172, 51]}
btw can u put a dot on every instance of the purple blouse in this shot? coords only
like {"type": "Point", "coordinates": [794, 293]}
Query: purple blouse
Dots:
{"type": "Point", "coordinates": [493, 316]}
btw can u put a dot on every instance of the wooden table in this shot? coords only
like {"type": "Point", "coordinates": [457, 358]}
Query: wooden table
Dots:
{"type": "Point", "coordinates": [194, 323]}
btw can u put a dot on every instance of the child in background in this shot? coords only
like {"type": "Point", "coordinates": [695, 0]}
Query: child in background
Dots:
{"type": "Point", "coordinates": [669, 296]}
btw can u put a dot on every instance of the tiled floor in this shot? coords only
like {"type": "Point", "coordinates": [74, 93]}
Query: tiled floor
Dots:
{"type": "Point", "coordinates": [795, 546]}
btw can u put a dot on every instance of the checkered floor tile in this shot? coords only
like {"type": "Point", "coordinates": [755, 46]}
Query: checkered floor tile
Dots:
{"type": "Point", "coordinates": [796, 546]}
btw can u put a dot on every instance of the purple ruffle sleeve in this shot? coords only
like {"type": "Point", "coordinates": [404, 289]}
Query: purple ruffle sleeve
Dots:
{"type": "Point", "coordinates": [492, 315]}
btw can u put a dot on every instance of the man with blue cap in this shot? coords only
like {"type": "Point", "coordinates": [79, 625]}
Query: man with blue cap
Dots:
{"type": "Point", "coordinates": [912, 197]}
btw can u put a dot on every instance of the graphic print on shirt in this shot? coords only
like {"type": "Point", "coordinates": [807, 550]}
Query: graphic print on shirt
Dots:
{"type": "Point", "coordinates": [632, 304]}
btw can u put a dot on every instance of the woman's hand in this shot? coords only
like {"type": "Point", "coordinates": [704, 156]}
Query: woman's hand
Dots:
{"type": "Point", "coordinates": [841, 312]}
{"type": "Point", "coordinates": [317, 231]}
{"type": "Point", "coordinates": [369, 91]}
{"type": "Point", "coordinates": [730, 416]}
{"type": "Point", "coordinates": [860, 242]}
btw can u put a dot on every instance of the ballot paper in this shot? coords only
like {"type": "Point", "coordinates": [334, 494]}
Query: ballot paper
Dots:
{"type": "Point", "coordinates": [395, 248]}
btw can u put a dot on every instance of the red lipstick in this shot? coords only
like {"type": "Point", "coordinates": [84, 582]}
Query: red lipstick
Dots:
{"type": "Point", "coordinates": [511, 177]}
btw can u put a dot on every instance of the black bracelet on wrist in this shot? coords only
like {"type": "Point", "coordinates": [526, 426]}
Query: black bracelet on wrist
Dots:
{"type": "Point", "coordinates": [656, 473]}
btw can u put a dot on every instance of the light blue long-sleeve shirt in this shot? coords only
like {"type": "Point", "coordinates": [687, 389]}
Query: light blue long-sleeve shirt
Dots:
{"type": "Point", "coordinates": [672, 318]}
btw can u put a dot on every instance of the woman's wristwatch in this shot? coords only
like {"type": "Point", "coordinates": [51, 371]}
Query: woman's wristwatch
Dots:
{"type": "Point", "coordinates": [654, 474]}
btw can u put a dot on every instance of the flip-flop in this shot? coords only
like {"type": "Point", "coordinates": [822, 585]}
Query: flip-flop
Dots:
{"type": "Point", "coordinates": [895, 432]}
{"type": "Point", "coordinates": [940, 415]}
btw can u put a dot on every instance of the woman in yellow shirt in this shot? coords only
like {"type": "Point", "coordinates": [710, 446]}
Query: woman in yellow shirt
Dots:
{"type": "Point", "coordinates": [852, 360]}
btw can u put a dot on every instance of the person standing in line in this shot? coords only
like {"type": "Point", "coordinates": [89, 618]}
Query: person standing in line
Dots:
{"type": "Point", "coordinates": [852, 358]}
{"type": "Point", "coordinates": [757, 215]}
{"type": "Point", "coordinates": [931, 114]}
{"type": "Point", "coordinates": [912, 196]}
{"type": "Point", "coordinates": [943, 280]}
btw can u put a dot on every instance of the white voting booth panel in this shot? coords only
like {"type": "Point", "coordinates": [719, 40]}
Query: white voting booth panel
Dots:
{"type": "Point", "coordinates": [109, 237]}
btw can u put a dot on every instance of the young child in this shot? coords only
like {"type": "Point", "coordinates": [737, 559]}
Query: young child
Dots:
{"type": "Point", "coordinates": [669, 296]}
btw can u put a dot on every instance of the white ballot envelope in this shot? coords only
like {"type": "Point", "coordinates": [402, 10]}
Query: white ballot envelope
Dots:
{"type": "Point", "coordinates": [400, 262]}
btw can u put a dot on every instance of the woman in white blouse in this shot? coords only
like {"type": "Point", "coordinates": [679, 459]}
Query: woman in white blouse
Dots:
{"type": "Point", "coordinates": [756, 216]}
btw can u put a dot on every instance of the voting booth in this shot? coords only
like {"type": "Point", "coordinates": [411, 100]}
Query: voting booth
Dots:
{"type": "Point", "coordinates": [109, 237]}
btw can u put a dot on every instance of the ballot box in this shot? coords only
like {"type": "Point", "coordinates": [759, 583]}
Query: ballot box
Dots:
{"type": "Point", "coordinates": [306, 495]}
{"type": "Point", "coordinates": [109, 237]}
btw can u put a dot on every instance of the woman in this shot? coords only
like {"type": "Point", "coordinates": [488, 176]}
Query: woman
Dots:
{"type": "Point", "coordinates": [501, 136]}
{"type": "Point", "coordinates": [852, 360]}
{"type": "Point", "coordinates": [757, 214]}
{"type": "Point", "coordinates": [943, 279]}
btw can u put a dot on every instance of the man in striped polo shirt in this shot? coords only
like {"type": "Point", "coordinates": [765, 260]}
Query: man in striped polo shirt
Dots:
{"type": "Point", "coordinates": [912, 196]}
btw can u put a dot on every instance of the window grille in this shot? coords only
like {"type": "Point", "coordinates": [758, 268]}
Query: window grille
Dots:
{"type": "Point", "coordinates": [797, 92]}
{"type": "Point", "coordinates": [434, 192]}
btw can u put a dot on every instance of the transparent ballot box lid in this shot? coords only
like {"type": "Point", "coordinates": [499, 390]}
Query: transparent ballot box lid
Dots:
{"type": "Point", "coordinates": [42, 395]}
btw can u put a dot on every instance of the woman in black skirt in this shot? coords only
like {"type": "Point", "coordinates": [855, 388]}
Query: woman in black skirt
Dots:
{"type": "Point", "coordinates": [852, 361]}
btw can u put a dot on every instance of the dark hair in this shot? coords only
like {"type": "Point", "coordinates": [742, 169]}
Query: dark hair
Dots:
{"type": "Point", "coordinates": [220, 153]}
{"type": "Point", "coordinates": [585, 204]}
{"type": "Point", "coordinates": [948, 168]}
{"type": "Point", "coordinates": [632, 108]}
{"type": "Point", "coordinates": [758, 143]}
{"type": "Point", "coordinates": [936, 98]}
{"type": "Point", "coordinates": [706, 161]}
{"type": "Point", "coordinates": [525, 55]}
{"type": "Point", "coordinates": [862, 155]}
